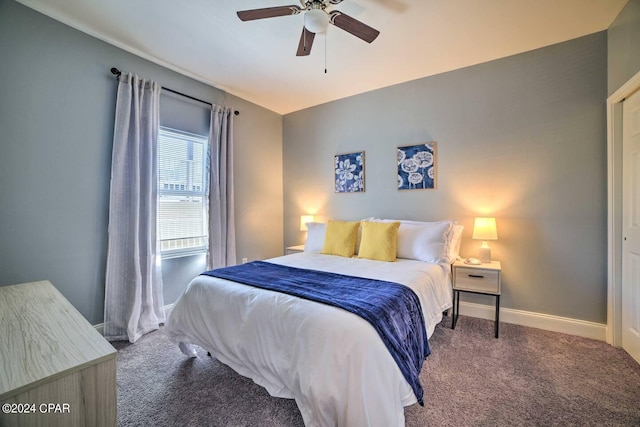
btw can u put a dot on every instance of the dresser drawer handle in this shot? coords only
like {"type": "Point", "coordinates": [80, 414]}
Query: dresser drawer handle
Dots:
{"type": "Point", "coordinates": [476, 276]}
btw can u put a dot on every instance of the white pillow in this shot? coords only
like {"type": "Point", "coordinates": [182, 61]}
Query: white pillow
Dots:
{"type": "Point", "coordinates": [315, 236]}
{"type": "Point", "coordinates": [428, 243]}
{"type": "Point", "coordinates": [455, 241]}
{"type": "Point", "coordinates": [425, 241]}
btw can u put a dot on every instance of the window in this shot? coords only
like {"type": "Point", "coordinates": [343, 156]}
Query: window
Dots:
{"type": "Point", "coordinates": [182, 211]}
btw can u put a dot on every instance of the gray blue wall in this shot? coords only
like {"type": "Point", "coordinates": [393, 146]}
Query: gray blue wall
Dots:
{"type": "Point", "coordinates": [521, 138]}
{"type": "Point", "coordinates": [624, 46]}
{"type": "Point", "coordinates": [57, 103]}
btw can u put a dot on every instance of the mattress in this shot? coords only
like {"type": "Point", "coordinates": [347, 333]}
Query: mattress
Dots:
{"type": "Point", "coordinates": [332, 362]}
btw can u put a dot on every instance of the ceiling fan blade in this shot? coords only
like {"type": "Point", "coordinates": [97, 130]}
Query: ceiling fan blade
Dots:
{"type": "Point", "coordinates": [353, 26]}
{"type": "Point", "coordinates": [268, 12]}
{"type": "Point", "coordinates": [306, 42]}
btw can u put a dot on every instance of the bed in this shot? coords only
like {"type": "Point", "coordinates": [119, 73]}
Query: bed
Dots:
{"type": "Point", "coordinates": [332, 362]}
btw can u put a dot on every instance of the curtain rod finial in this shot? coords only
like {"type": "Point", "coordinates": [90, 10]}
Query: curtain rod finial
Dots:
{"type": "Point", "coordinates": [115, 71]}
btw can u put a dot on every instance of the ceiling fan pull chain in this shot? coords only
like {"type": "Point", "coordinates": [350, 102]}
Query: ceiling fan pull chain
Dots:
{"type": "Point", "coordinates": [326, 41]}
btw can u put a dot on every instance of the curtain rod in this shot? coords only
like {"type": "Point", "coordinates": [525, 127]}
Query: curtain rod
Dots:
{"type": "Point", "coordinates": [117, 72]}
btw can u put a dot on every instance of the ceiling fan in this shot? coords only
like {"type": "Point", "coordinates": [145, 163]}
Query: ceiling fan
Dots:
{"type": "Point", "coordinates": [316, 20]}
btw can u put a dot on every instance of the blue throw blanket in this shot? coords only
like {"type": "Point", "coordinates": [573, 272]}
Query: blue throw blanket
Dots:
{"type": "Point", "coordinates": [391, 308]}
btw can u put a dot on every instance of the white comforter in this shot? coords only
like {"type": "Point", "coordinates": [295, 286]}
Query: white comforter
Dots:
{"type": "Point", "coordinates": [332, 362]}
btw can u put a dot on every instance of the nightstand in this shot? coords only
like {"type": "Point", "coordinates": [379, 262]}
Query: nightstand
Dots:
{"type": "Point", "coordinates": [293, 249]}
{"type": "Point", "coordinates": [477, 279]}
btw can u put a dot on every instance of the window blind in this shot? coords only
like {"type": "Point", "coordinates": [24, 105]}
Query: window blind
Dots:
{"type": "Point", "coordinates": [182, 211]}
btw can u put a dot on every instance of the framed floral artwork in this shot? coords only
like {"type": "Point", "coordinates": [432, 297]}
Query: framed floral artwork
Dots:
{"type": "Point", "coordinates": [349, 172]}
{"type": "Point", "coordinates": [417, 167]}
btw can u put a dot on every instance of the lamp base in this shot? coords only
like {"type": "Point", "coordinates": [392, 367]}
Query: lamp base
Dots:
{"type": "Point", "coordinates": [484, 253]}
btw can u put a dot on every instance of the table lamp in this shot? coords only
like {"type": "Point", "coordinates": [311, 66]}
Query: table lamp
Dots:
{"type": "Point", "coordinates": [485, 229]}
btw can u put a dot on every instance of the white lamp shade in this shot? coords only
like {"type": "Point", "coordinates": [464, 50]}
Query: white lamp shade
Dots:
{"type": "Point", "coordinates": [485, 229]}
{"type": "Point", "coordinates": [304, 219]}
{"type": "Point", "coordinates": [316, 20]}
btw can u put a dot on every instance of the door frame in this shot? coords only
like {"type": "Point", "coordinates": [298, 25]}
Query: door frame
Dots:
{"type": "Point", "coordinates": [614, 209]}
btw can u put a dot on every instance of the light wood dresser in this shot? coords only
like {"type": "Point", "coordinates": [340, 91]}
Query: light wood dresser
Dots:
{"type": "Point", "coordinates": [55, 368]}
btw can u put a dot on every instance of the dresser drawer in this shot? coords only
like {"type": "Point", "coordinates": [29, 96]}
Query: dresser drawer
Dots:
{"type": "Point", "coordinates": [474, 279]}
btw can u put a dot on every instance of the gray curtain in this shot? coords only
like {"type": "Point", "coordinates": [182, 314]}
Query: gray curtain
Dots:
{"type": "Point", "coordinates": [133, 290]}
{"type": "Point", "coordinates": [222, 232]}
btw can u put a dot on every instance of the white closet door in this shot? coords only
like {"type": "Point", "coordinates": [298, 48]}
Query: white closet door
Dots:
{"type": "Point", "coordinates": [631, 227]}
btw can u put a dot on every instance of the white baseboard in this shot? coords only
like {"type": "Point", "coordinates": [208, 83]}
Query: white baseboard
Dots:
{"type": "Point", "coordinates": [565, 325]}
{"type": "Point", "coordinates": [582, 328]}
{"type": "Point", "coordinates": [167, 309]}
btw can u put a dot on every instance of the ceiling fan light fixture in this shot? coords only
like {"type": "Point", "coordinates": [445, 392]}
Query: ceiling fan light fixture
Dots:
{"type": "Point", "coordinates": [316, 20]}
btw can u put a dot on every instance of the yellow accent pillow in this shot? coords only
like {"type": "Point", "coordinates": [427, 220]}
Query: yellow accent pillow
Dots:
{"type": "Point", "coordinates": [340, 238]}
{"type": "Point", "coordinates": [379, 241]}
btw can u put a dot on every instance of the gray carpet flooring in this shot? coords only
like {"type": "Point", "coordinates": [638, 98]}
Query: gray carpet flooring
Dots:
{"type": "Point", "coordinates": [527, 377]}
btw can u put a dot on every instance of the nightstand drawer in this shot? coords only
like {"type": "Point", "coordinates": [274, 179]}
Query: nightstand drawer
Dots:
{"type": "Point", "coordinates": [474, 279]}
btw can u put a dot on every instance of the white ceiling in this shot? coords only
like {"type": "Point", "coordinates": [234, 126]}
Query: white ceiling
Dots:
{"type": "Point", "coordinates": [256, 60]}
